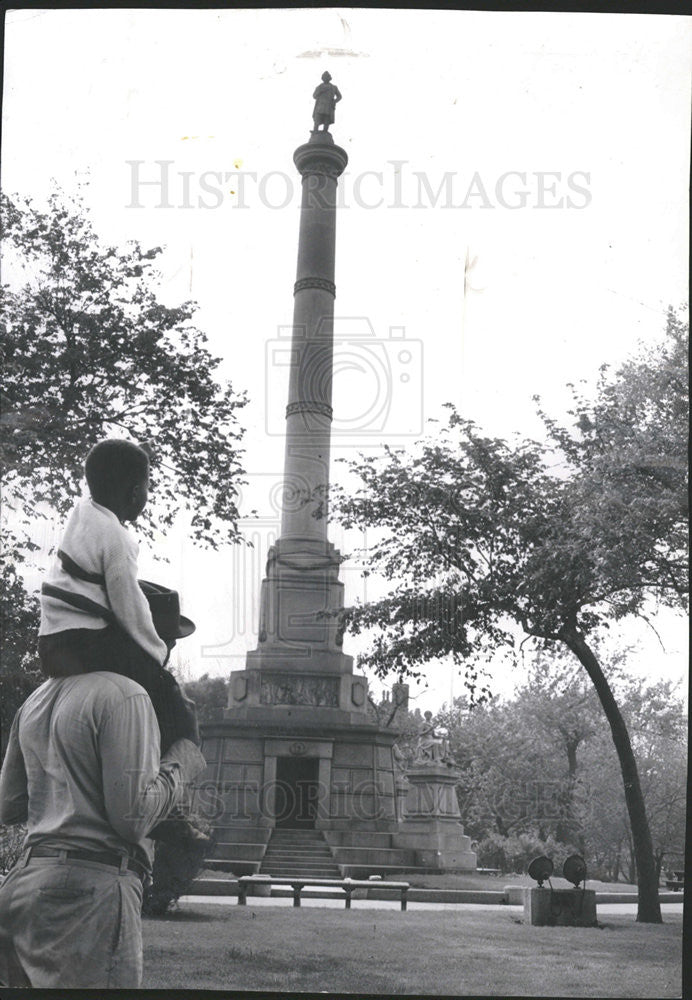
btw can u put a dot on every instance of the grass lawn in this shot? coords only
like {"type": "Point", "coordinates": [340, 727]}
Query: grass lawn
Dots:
{"type": "Point", "coordinates": [208, 946]}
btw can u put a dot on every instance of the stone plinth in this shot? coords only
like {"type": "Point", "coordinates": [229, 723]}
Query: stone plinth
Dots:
{"type": "Point", "coordinates": [432, 823]}
{"type": "Point", "coordinates": [346, 781]}
{"type": "Point", "coordinates": [560, 907]}
{"type": "Point", "coordinates": [298, 670]}
{"type": "Point", "coordinates": [301, 585]}
{"type": "Point", "coordinates": [432, 792]}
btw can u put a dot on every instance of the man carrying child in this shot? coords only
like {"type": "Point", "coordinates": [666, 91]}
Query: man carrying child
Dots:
{"type": "Point", "coordinates": [84, 767]}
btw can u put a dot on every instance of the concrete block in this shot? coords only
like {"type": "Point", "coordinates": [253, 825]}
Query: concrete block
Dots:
{"type": "Point", "coordinates": [259, 888]}
{"type": "Point", "coordinates": [515, 894]}
{"type": "Point", "coordinates": [545, 907]}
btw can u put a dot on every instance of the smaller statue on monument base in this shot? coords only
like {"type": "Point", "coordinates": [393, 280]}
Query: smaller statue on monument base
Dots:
{"type": "Point", "coordinates": [432, 747]}
{"type": "Point", "coordinates": [327, 96]}
{"type": "Point", "coordinates": [402, 757]}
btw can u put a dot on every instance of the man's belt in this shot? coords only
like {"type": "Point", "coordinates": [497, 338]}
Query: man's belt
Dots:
{"type": "Point", "coordinates": [101, 857]}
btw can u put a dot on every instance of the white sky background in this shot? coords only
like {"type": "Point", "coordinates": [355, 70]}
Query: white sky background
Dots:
{"type": "Point", "coordinates": [555, 291]}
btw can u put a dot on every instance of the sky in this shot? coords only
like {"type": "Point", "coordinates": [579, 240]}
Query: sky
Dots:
{"type": "Point", "coordinates": [513, 215]}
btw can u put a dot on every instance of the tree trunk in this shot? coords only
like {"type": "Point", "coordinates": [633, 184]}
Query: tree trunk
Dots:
{"type": "Point", "coordinates": [567, 829]}
{"type": "Point", "coordinates": [501, 827]}
{"type": "Point", "coordinates": [648, 908]}
{"type": "Point", "coordinates": [616, 867]}
{"type": "Point", "coordinates": [631, 875]}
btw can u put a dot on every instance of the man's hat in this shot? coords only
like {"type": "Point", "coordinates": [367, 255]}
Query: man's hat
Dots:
{"type": "Point", "coordinates": [165, 610]}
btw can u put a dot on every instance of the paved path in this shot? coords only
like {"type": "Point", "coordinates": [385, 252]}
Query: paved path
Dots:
{"type": "Point", "coordinates": [603, 909]}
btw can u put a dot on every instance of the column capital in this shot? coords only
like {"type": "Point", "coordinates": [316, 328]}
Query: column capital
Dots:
{"type": "Point", "coordinates": [320, 156]}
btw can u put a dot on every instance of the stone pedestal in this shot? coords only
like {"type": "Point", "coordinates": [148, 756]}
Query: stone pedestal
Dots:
{"type": "Point", "coordinates": [432, 792]}
{"type": "Point", "coordinates": [432, 822]}
{"type": "Point", "coordinates": [560, 907]}
{"type": "Point", "coordinates": [298, 667]}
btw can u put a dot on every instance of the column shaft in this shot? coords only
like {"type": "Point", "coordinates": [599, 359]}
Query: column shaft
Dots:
{"type": "Point", "coordinates": [309, 410]}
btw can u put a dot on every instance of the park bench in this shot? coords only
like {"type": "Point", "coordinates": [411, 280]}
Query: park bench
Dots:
{"type": "Point", "coordinates": [675, 881]}
{"type": "Point", "coordinates": [298, 884]}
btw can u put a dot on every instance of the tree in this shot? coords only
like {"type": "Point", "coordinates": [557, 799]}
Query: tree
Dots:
{"type": "Point", "coordinates": [19, 668]}
{"type": "Point", "coordinates": [563, 710]}
{"type": "Point", "coordinates": [631, 443]}
{"type": "Point", "coordinates": [483, 537]}
{"type": "Point", "coordinates": [210, 695]}
{"type": "Point", "coordinates": [538, 764]}
{"type": "Point", "coordinates": [503, 769]}
{"type": "Point", "coordinates": [657, 722]}
{"type": "Point", "coordinates": [90, 352]}
{"type": "Point", "coordinates": [519, 758]}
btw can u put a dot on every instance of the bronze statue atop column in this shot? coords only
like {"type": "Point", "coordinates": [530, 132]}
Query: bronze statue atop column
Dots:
{"type": "Point", "coordinates": [327, 96]}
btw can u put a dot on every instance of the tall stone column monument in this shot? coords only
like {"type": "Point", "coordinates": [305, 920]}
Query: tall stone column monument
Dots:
{"type": "Point", "coordinates": [299, 660]}
{"type": "Point", "coordinates": [297, 754]}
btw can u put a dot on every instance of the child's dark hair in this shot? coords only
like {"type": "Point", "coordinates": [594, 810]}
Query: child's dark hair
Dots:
{"type": "Point", "coordinates": [114, 465]}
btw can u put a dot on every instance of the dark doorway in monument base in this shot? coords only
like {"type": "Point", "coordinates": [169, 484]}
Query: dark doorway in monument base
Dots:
{"type": "Point", "coordinates": [296, 793]}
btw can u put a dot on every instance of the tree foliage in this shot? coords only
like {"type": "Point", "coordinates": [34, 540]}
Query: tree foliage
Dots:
{"type": "Point", "coordinates": [20, 672]}
{"type": "Point", "coordinates": [482, 536]}
{"type": "Point", "coordinates": [539, 765]}
{"type": "Point", "coordinates": [519, 758]}
{"type": "Point", "coordinates": [89, 352]}
{"type": "Point", "coordinates": [210, 695]}
{"type": "Point", "coordinates": [657, 722]}
{"type": "Point", "coordinates": [629, 447]}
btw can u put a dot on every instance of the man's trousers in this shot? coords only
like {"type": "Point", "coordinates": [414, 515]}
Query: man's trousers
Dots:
{"type": "Point", "coordinates": [71, 924]}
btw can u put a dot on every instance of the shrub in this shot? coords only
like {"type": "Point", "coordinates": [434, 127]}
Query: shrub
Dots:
{"type": "Point", "coordinates": [515, 853]}
{"type": "Point", "coordinates": [176, 864]}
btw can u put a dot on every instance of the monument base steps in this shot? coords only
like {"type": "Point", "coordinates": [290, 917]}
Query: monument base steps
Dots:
{"type": "Point", "coordinates": [298, 852]}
